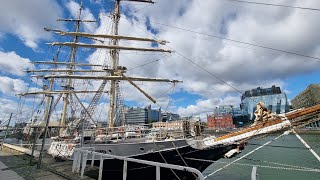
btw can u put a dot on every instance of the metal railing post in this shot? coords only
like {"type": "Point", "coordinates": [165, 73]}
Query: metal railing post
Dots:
{"type": "Point", "coordinates": [78, 162]}
{"type": "Point", "coordinates": [82, 153]}
{"type": "Point", "coordinates": [84, 162]}
{"type": "Point", "coordinates": [100, 168]}
{"type": "Point", "coordinates": [125, 168]}
{"type": "Point", "coordinates": [157, 172]}
{"type": "Point", "coordinates": [75, 160]}
{"type": "Point", "coordinates": [92, 161]}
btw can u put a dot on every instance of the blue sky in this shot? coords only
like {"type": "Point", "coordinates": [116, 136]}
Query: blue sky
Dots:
{"type": "Point", "coordinates": [22, 40]}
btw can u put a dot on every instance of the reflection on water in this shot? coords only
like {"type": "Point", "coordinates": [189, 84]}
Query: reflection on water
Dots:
{"type": "Point", "coordinates": [287, 150]}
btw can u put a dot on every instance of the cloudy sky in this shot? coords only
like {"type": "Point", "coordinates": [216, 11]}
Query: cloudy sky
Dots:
{"type": "Point", "coordinates": [214, 70]}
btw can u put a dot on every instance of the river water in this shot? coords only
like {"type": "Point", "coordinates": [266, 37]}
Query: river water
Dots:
{"type": "Point", "coordinates": [286, 152]}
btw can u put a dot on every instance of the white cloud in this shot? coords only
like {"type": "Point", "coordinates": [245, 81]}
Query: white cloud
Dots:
{"type": "Point", "coordinates": [242, 66]}
{"type": "Point", "coordinates": [7, 106]}
{"type": "Point", "coordinates": [96, 1]}
{"type": "Point", "coordinates": [13, 64]}
{"type": "Point", "coordinates": [226, 65]}
{"type": "Point", "coordinates": [20, 113]}
{"type": "Point", "coordinates": [86, 14]}
{"type": "Point", "coordinates": [206, 106]}
{"type": "Point", "coordinates": [10, 86]}
{"type": "Point", "coordinates": [26, 19]}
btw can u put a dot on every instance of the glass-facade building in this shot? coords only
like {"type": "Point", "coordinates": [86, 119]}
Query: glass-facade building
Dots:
{"type": "Point", "coordinates": [239, 116]}
{"type": "Point", "coordinates": [228, 109]}
{"type": "Point", "coordinates": [168, 116]}
{"type": "Point", "coordinates": [142, 115]}
{"type": "Point", "coordinates": [273, 98]}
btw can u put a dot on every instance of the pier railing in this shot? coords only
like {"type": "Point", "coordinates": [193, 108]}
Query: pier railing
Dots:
{"type": "Point", "coordinates": [80, 158]}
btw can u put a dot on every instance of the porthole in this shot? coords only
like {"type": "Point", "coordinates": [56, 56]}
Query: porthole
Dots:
{"type": "Point", "coordinates": [141, 149]}
{"type": "Point", "coordinates": [110, 151]}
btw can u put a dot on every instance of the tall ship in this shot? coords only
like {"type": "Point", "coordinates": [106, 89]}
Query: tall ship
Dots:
{"type": "Point", "coordinates": [80, 129]}
{"type": "Point", "coordinates": [153, 142]}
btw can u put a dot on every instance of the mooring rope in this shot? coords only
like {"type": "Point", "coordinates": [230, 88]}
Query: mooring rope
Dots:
{"type": "Point", "coordinates": [165, 160]}
{"type": "Point", "coordinates": [185, 163]}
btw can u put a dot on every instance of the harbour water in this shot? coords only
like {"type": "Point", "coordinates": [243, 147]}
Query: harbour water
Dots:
{"type": "Point", "coordinates": [287, 152]}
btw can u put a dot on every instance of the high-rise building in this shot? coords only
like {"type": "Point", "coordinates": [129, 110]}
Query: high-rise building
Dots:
{"type": "Point", "coordinates": [142, 115]}
{"type": "Point", "coordinates": [309, 97]}
{"type": "Point", "coordinates": [273, 98]}
{"type": "Point", "coordinates": [261, 92]}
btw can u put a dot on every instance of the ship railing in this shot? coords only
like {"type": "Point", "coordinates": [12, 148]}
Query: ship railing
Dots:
{"type": "Point", "coordinates": [160, 133]}
{"type": "Point", "coordinates": [82, 155]}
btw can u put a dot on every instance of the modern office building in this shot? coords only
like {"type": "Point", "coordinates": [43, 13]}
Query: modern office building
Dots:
{"type": "Point", "coordinates": [307, 98]}
{"type": "Point", "coordinates": [168, 116]}
{"type": "Point", "coordinates": [142, 115]}
{"type": "Point", "coordinates": [228, 109]}
{"type": "Point", "coordinates": [261, 92]}
{"type": "Point", "coordinates": [223, 109]}
{"type": "Point", "coordinates": [273, 98]}
{"type": "Point", "coordinates": [239, 117]}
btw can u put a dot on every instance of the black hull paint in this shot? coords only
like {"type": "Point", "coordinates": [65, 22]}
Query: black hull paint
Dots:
{"type": "Point", "coordinates": [113, 168]}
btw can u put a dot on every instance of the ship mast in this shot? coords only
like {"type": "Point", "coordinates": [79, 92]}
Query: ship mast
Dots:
{"type": "Point", "coordinates": [69, 81]}
{"type": "Point", "coordinates": [48, 102]}
{"type": "Point", "coordinates": [114, 53]}
{"type": "Point", "coordinates": [116, 72]}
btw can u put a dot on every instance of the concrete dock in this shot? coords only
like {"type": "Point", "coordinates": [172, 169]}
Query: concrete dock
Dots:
{"type": "Point", "coordinates": [15, 165]}
{"type": "Point", "coordinates": [6, 173]}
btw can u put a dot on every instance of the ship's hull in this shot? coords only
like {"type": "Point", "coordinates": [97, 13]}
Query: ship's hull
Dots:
{"type": "Point", "coordinates": [170, 152]}
{"type": "Point", "coordinates": [113, 169]}
{"type": "Point", "coordinates": [64, 149]}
